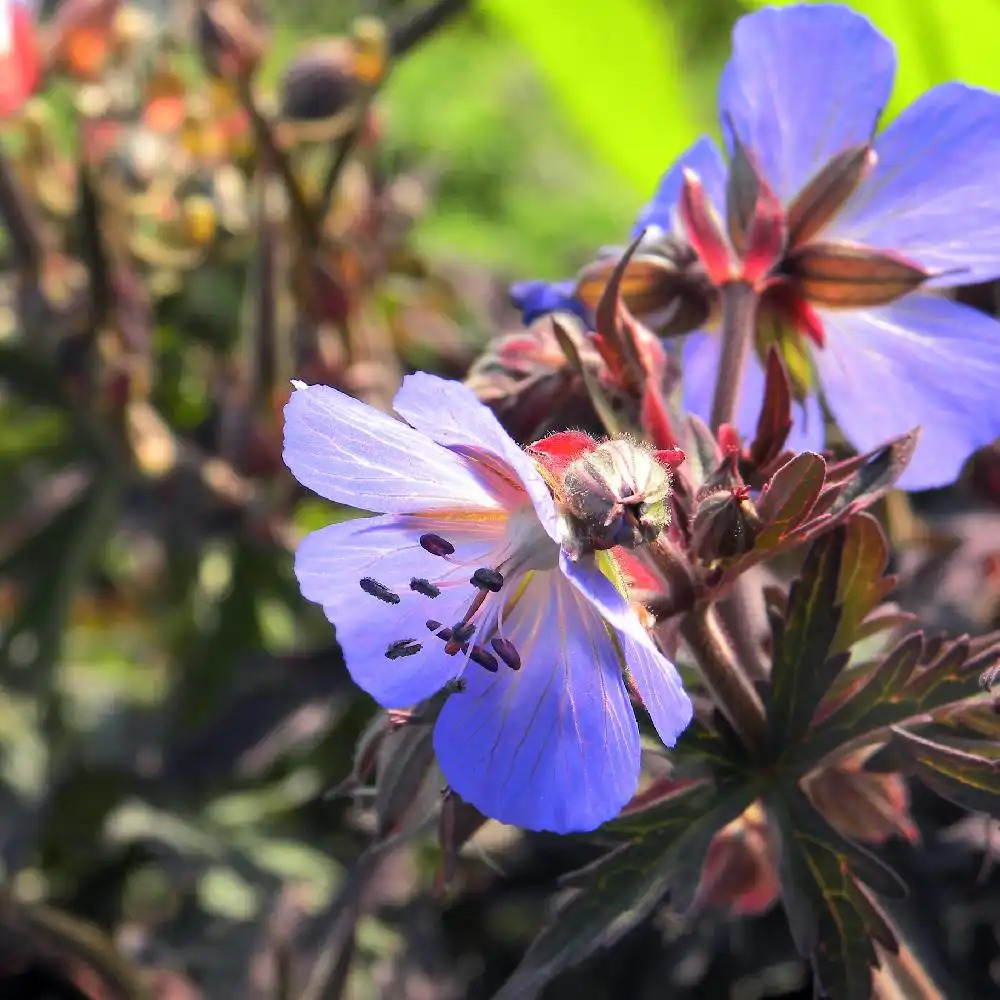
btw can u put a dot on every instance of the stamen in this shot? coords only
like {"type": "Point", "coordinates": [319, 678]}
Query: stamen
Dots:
{"type": "Point", "coordinates": [436, 545]}
{"type": "Point", "coordinates": [432, 625]}
{"type": "Point", "coordinates": [487, 579]}
{"type": "Point", "coordinates": [462, 632]}
{"type": "Point", "coordinates": [402, 647]}
{"type": "Point", "coordinates": [484, 659]}
{"type": "Point", "coordinates": [425, 587]}
{"type": "Point", "coordinates": [458, 637]}
{"type": "Point", "coordinates": [507, 652]}
{"type": "Point", "coordinates": [379, 590]}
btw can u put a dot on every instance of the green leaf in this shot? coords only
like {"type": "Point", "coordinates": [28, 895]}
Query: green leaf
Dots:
{"type": "Point", "coordinates": [861, 585]}
{"type": "Point", "coordinates": [208, 655]}
{"type": "Point", "coordinates": [875, 474]}
{"type": "Point", "coordinates": [617, 892]}
{"type": "Point", "coordinates": [803, 668]}
{"type": "Point", "coordinates": [43, 929]}
{"type": "Point", "coordinates": [405, 757]}
{"type": "Point", "coordinates": [830, 916]}
{"type": "Point", "coordinates": [615, 71]}
{"type": "Point", "coordinates": [52, 564]}
{"type": "Point", "coordinates": [789, 496]}
{"type": "Point", "coordinates": [956, 774]}
{"type": "Point", "coordinates": [35, 378]}
{"type": "Point", "coordinates": [910, 682]}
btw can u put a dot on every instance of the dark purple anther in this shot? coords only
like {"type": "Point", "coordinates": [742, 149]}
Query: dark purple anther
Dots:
{"type": "Point", "coordinates": [379, 590]}
{"type": "Point", "coordinates": [402, 647]}
{"type": "Point", "coordinates": [505, 649]}
{"type": "Point", "coordinates": [432, 625]}
{"type": "Point", "coordinates": [487, 579]}
{"type": "Point", "coordinates": [424, 587]}
{"type": "Point", "coordinates": [436, 545]}
{"type": "Point", "coordinates": [484, 659]}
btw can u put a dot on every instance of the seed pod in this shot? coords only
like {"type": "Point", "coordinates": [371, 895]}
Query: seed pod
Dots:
{"type": "Point", "coordinates": [618, 494]}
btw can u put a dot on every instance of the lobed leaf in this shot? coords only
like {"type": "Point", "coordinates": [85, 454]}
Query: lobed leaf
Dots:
{"type": "Point", "coordinates": [956, 773]}
{"type": "Point", "coordinates": [775, 421]}
{"type": "Point", "coordinates": [861, 585]}
{"type": "Point", "coordinates": [830, 916]}
{"type": "Point", "coordinates": [789, 497]}
{"type": "Point", "coordinates": [803, 667]}
{"type": "Point", "coordinates": [907, 686]}
{"type": "Point", "coordinates": [618, 891]}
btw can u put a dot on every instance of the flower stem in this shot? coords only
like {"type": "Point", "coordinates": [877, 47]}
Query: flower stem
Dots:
{"type": "Point", "coordinates": [732, 691]}
{"type": "Point", "coordinates": [739, 316]}
{"type": "Point", "coordinates": [744, 618]}
{"type": "Point", "coordinates": [727, 681]}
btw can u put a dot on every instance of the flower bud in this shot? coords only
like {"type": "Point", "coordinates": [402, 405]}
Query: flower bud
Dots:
{"type": "Point", "coordinates": [726, 524]}
{"type": "Point", "coordinates": [324, 88]}
{"type": "Point", "coordinates": [618, 494]}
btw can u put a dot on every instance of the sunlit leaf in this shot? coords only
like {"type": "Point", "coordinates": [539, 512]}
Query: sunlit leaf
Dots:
{"type": "Point", "coordinates": [615, 69]}
{"type": "Point", "coordinates": [861, 585]}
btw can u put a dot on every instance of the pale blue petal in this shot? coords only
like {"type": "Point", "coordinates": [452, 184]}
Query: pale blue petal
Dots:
{"type": "Point", "coordinates": [449, 413]}
{"type": "Point", "coordinates": [933, 195]}
{"type": "Point", "coordinates": [351, 453]}
{"type": "Point", "coordinates": [657, 681]}
{"type": "Point", "coordinates": [554, 745]}
{"type": "Point", "coordinates": [922, 361]}
{"type": "Point", "coordinates": [330, 563]}
{"type": "Point", "coordinates": [706, 161]}
{"type": "Point", "coordinates": [701, 353]}
{"type": "Point", "coordinates": [803, 84]}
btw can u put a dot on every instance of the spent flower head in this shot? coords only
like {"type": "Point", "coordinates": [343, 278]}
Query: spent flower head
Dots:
{"type": "Point", "coordinates": [465, 581]}
{"type": "Point", "coordinates": [848, 236]}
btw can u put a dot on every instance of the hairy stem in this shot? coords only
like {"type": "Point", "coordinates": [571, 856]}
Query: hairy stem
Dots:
{"type": "Point", "coordinates": [725, 677]}
{"type": "Point", "coordinates": [729, 685]}
{"type": "Point", "coordinates": [739, 316]}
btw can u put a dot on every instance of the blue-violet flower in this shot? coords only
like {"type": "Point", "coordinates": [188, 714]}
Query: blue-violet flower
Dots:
{"type": "Point", "coordinates": [876, 227]}
{"type": "Point", "coordinates": [461, 583]}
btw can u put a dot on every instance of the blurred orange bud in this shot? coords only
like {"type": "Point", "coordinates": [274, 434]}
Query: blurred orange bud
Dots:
{"type": "Point", "coordinates": [165, 105]}
{"type": "Point", "coordinates": [740, 874]}
{"type": "Point", "coordinates": [80, 37]}
{"type": "Point", "coordinates": [861, 804]}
